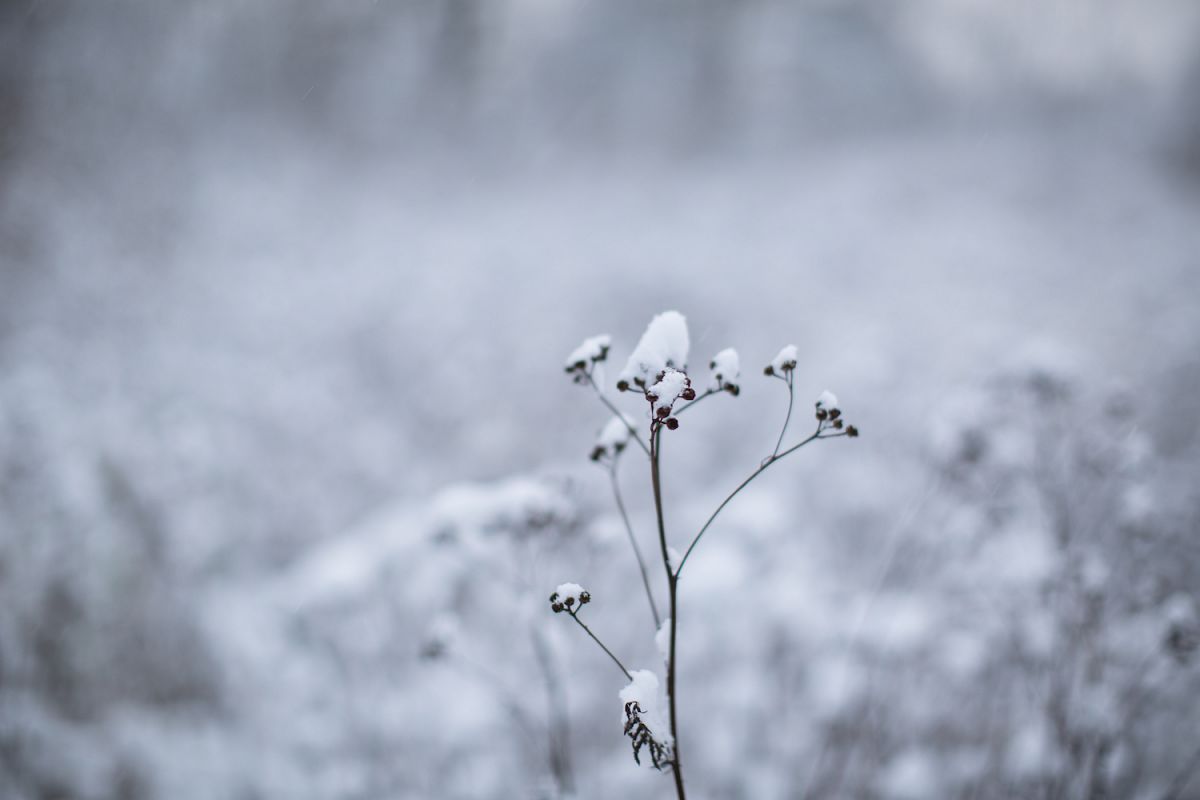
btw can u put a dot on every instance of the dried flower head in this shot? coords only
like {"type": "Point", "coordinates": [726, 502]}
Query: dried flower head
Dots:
{"type": "Point", "coordinates": [613, 438]}
{"type": "Point", "coordinates": [725, 371]}
{"type": "Point", "coordinates": [664, 344]}
{"type": "Point", "coordinates": [783, 362]}
{"type": "Point", "coordinates": [566, 596]}
{"type": "Point", "coordinates": [592, 351]}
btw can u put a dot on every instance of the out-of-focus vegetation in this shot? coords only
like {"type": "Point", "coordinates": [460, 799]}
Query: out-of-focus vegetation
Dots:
{"type": "Point", "coordinates": [284, 295]}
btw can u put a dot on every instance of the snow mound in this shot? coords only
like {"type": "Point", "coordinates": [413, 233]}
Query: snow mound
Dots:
{"type": "Point", "coordinates": [664, 344]}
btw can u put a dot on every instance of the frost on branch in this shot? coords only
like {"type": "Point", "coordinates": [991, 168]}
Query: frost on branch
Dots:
{"type": "Point", "coordinates": [725, 371]}
{"type": "Point", "coordinates": [662, 640]}
{"type": "Point", "coordinates": [783, 362]}
{"type": "Point", "coordinates": [664, 344]}
{"type": "Point", "coordinates": [613, 438]}
{"type": "Point", "coordinates": [568, 596]}
{"type": "Point", "coordinates": [645, 723]}
{"type": "Point", "coordinates": [592, 351]}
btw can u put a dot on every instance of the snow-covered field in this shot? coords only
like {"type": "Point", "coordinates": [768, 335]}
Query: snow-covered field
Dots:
{"type": "Point", "coordinates": [289, 463]}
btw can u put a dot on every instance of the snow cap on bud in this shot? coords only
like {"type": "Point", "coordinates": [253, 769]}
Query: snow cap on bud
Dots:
{"type": "Point", "coordinates": [613, 438]}
{"type": "Point", "coordinates": [725, 371]}
{"type": "Point", "coordinates": [566, 596]}
{"type": "Point", "coordinates": [672, 385]}
{"type": "Point", "coordinates": [593, 350]}
{"type": "Point", "coordinates": [783, 362]}
{"type": "Point", "coordinates": [828, 403]}
{"type": "Point", "coordinates": [664, 344]}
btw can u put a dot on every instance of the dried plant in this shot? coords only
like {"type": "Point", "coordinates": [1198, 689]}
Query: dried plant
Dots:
{"type": "Point", "coordinates": [657, 369]}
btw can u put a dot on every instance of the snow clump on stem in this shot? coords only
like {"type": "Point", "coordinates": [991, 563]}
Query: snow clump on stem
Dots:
{"type": "Point", "coordinates": [664, 344]}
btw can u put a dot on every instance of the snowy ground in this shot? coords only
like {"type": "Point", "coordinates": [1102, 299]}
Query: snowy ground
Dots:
{"type": "Point", "coordinates": [289, 464]}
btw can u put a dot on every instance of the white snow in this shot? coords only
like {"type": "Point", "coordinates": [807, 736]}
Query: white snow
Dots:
{"type": "Point", "coordinates": [664, 344]}
{"type": "Point", "coordinates": [565, 590]}
{"type": "Point", "coordinates": [594, 348]}
{"type": "Point", "coordinates": [615, 435]}
{"type": "Point", "coordinates": [827, 400]}
{"type": "Point", "coordinates": [785, 359]}
{"type": "Point", "coordinates": [662, 640]}
{"type": "Point", "coordinates": [645, 692]}
{"type": "Point", "coordinates": [667, 389]}
{"type": "Point", "coordinates": [725, 368]}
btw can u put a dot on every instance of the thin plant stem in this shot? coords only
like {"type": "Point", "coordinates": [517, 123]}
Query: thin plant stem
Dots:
{"type": "Point", "coordinates": [788, 417]}
{"type": "Point", "coordinates": [596, 639]}
{"type": "Point", "coordinates": [672, 585]}
{"type": "Point", "coordinates": [637, 552]}
{"type": "Point", "coordinates": [818, 434]}
{"type": "Point", "coordinates": [676, 412]}
{"type": "Point", "coordinates": [616, 413]}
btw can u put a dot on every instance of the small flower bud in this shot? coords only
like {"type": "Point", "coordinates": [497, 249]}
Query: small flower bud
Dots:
{"type": "Point", "coordinates": [622, 386]}
{"type": "Point", "coordinates": [851, 431]}
{"type": "Point", "coordinates": [662, 411]}
{"type": "Point", "coordinates": [672, 423]}
{"type": "Point", "coordinates": [837, 423]}
{"type": "Point", "coordinates": [556, 607]}
{"type": "Point", "coordinates": [733, 389]}
{"type": "Point", "coordinates": [768, 370]}
{"type": "Point", "coordinates": [553, 597]}
{"type": "Point", "coordinates": [688, 394]}
{"type": "Point", "coordinates": [834, 413]}
{"type": "Point", "coordinates": [585, 598]}
{"type": "Point", "coordinates": [822, 414]}
{"type": "Point", "coordinates": [570, 601]}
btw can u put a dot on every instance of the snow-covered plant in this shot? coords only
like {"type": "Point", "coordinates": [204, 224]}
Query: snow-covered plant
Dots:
{"type": "Point", "coordinates": [657, 370]}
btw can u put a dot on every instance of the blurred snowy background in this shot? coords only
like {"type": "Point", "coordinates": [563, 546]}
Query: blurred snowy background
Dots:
{"type": "Point", "coordinates": [288, 463]}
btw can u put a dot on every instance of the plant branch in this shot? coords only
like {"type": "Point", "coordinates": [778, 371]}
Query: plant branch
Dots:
{"type": "Point", "coordinates": [575, 616]}
{"type": "Point", "coordinates": [637, 552]}
{"type": "Point", "coordinates": [761, 468]}
{"type": "Point", "coordinates": [616, 413]}
{"type": "Point", "coordinates": [672, 586]}
{"type": "Point", "coordinates": [788, 417]}
{"type": "Point", "coordinates": [682, 409]}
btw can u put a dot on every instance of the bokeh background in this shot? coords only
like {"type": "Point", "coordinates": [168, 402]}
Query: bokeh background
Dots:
{"type": "Point", "coordinates": [288, 462]}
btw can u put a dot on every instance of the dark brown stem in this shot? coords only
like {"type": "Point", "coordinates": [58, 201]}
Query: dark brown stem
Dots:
{"type": "Point", "coordinates": [818, 434]}
{"type": "Point", "coordinates": [575, 616]}
{"type": "Point", "coordinates": [672, 584]}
